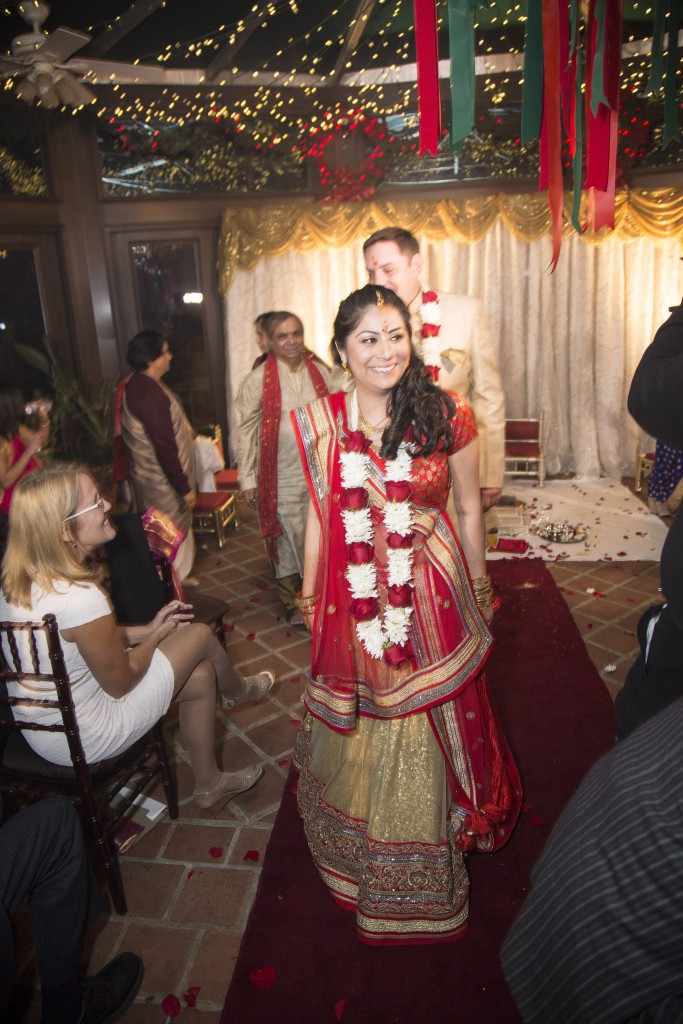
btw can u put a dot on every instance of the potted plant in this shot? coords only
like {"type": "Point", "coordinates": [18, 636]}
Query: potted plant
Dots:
{"type": "Point", "coordinates": [80, 429]}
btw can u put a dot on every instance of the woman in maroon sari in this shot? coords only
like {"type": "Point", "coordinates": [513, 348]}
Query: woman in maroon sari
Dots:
{"type": "Point", "coordinates": [403, 769]}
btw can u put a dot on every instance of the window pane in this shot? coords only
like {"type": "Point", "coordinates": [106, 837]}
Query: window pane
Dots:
{"type": "Point", "coordinates": [170, 300]}
{"type": "Point", "coordinates": [21, 319]}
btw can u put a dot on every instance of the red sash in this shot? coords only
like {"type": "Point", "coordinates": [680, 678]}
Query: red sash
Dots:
{"type": "Point", "coordinates": [270, 432]}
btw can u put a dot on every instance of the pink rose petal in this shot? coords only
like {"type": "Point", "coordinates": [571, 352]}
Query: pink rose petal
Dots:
{"type": "Point", "coordinates": [251, 636]}
{"type": "Point", "coordinates": [171, 1006]}
{"type": "Point", "coordinates": [251, 855]}
{"type": "Point", "coordinates": [216, 852]}
{"type": "Point", "coordinates": [190, 873]}
{"type": "Point", "coordinates": [339, 1008]}
{"type": "Point", "coordinates": [190, 996]}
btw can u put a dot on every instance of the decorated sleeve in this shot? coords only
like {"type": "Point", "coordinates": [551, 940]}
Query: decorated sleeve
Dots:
{"type": "Point", "coordinates": [462, 424]}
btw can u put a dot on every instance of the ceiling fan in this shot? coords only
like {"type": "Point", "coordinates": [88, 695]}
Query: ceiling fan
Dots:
{"type": "Point", "coordinates": [45, 70]}
{"type": "Point", "coordinates": [37, 61]}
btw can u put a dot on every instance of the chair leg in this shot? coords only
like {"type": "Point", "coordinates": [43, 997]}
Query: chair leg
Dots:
{"type": "Point", "coordinates": [541, 470]}
{"type": "Point", "coordinates": [639, 475]}
{"type": "Point", "coordinates": [167, 780]}
{"type": "Point", "coordinates": [108, 857]}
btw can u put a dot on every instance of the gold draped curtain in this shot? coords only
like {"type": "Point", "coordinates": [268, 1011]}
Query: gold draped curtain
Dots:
{"type": "Point", "coordinates": [250, 233]}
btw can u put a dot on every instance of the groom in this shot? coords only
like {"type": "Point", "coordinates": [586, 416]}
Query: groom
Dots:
{"type": "Point", "coordinates": [451, 334]}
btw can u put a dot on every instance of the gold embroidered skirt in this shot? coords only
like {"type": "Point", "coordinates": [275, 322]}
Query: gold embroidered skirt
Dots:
{"type": "Point", "coordinates": [379, 823]}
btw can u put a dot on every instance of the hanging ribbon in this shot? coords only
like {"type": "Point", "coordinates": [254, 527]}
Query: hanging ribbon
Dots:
{"type": "Point", "coordinates": [551, 128]}
{"type": "Point", "coordinates": [654, 82]}
{"type": "Point", "coordinates": [671, 130]}
{"type": "Point", "coordinates": [603, 54]}
{"type": "Point", "coordinates": [575, 117]}
{"type": "Point", "coordinates": [532, 89]}
{"type": "Point", "coordinates": [428, 97]}
{"type": "Point", "coordinates": [461, 52]}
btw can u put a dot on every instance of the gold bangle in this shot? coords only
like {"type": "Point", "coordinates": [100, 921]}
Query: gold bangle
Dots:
{"type": "Point", "coordinates": [306, 605]}
{"type": "Point", "coordinates": [483, 601]}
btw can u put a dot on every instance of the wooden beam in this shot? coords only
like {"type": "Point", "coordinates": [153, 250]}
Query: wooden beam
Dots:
{"type": "Point", "coordinates": [356, 29]}
{"type": "Point", "coordinates": [134, 16]}
{"type": "Point", "coordinates": [226, 53]}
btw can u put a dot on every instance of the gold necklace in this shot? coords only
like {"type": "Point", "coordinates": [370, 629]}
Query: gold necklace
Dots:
{"type": "Point", "coordinates": [367, 427]}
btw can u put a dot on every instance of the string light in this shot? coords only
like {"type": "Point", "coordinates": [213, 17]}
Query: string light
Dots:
{"type": "Point", "coordinates": [265, 115]}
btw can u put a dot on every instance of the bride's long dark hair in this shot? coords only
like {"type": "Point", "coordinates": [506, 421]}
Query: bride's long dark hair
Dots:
{"type": "Point", "coordinates": [415, 400]}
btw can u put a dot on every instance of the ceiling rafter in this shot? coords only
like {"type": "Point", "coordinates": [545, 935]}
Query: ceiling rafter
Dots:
{"type": "Point", "coordinates": [138, 12]}
{"type": "Point", "coordinates": [225, 55]}
{"type": "Point", "coordinates": [356, 29]}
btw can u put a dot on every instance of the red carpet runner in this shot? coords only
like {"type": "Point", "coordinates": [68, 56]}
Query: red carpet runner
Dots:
{"type": "Point", "coordinates": [558, 719]}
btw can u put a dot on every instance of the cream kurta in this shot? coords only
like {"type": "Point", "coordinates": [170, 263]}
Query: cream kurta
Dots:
{"type": "Point", "coordinates": [296, 389]}
{"type": "Point", "coordinates": [469, 365]}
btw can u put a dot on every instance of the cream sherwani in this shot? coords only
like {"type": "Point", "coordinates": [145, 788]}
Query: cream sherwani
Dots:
{"type": "Point", "coordinates": [469, 366]}
{"type": "Point", "coordinates": [296, 389]}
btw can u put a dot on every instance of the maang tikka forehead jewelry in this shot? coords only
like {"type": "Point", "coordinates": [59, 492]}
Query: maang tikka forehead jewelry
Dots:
{"type": "Point", "coordinates": [380, 301]}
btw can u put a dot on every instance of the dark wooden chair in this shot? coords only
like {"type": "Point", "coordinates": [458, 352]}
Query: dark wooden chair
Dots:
{"type": "Point", "coordinates": [32, 653]}
{"type": "Point", "coordinates": [524, 454]}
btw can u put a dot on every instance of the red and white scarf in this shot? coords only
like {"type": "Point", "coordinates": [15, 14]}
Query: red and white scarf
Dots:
{"type": "Point", "coordinates": [271, 399]}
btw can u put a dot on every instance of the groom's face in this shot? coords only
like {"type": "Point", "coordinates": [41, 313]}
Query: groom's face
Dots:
{"type": "Point", "coordinates": [387, 265]}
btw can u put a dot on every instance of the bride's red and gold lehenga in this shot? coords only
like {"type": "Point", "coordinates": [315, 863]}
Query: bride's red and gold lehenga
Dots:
{"type": "Point", "coordinates": [402, 769]}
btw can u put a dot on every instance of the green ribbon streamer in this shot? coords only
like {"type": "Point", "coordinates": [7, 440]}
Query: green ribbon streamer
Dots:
{"type": "Point", "coordinates": [671, 132]}
{"type": "Point", "coordinates": [598, 70]}
{"type": "Point", "coordinates": [574, 27]}
{"type": "Point", "coordinates": [532, 91]}
{"type": "Point", "coordinates": [577, 160]}
{"type": "Point", "coordinates": [461, 51]}
{"type": "Point", "coordinates": [654, 82]}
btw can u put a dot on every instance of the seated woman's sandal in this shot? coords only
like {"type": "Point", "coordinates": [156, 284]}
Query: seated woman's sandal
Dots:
{"type": "Point", "coordinates": [255, 687]}
{"type": "Point", "coordinates": [230, 785]}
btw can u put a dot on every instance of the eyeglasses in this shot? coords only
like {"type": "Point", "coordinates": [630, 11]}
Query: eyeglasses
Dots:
{"type": "Point", "coordinates": [74, 515]}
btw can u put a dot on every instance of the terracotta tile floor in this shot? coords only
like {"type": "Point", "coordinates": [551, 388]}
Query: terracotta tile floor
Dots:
{"type": "Point", "coordinates": [190, 883]}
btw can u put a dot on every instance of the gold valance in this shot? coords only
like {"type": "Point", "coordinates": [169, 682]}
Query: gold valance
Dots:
{"type": "Point", "coordinates": [250, 233]}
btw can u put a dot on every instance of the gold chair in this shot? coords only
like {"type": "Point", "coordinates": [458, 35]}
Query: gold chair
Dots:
{"type": "Point", "coordinates": [644, 463]}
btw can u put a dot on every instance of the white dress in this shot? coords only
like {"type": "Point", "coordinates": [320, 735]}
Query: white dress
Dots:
{"type": "Point", "coordinates": [107, 725]}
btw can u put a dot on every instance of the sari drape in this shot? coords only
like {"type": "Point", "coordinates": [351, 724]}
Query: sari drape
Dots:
{"type": "Point", "coordinates": [370, 721]}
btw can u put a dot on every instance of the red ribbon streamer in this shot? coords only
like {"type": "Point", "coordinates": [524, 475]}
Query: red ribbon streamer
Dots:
{"type": "Point", "coordinates": [428, 96]}
{"type": "Point", "coordinates": [602, 128]}
{"type": "Point", "coordinates": [551, 131]}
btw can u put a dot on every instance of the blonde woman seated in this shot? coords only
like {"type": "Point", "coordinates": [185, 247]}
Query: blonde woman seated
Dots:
{"type": "Point", "coordinates": [122, 678]}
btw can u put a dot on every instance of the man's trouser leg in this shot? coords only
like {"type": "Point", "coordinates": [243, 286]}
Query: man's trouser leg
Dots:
{"type": "Point", "coordinates": [42, 856]}
{"type": "Point", "coordinates": [288, 587]}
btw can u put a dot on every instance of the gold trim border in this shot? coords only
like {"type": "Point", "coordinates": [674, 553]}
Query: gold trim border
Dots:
{"type": "Point", "coordinates": [250, 233]}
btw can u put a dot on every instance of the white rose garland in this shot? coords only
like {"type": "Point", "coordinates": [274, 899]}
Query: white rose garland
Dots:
{"type": "Point", "coordinates": [376, 635]}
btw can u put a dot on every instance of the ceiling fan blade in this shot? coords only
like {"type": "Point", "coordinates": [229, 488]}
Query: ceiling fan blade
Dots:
{"type": "Point", "coordinates": [9, 66]}
{"type": "Point", "coordinates": [105, 71]}
{"type": "Point", "coordinates": [61, 43]}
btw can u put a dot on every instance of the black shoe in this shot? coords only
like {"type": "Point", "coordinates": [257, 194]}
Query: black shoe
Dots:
{"type": "Point", "coordinates": [108, 994]}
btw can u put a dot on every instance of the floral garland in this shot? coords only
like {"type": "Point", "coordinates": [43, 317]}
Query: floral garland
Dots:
{"type": "Point", "coordinates": [387, 638]}
{"type": "Point", "coordinates": [430, 315]}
